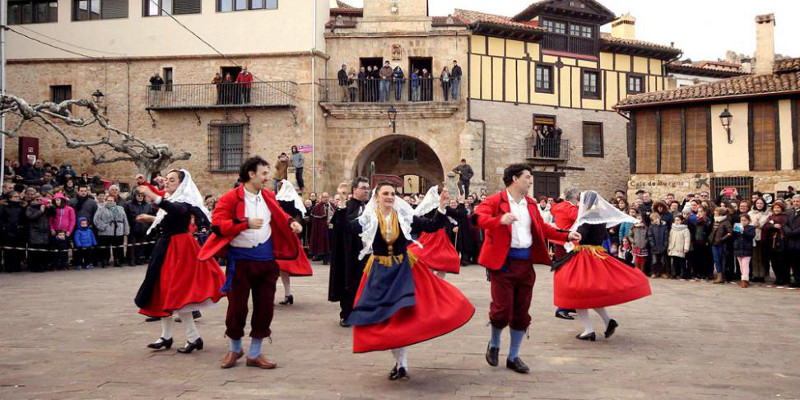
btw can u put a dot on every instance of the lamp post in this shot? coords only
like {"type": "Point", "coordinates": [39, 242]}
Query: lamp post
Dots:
{"type": "Point", "coordinates": [98, 96]}
{"type": "Point", "coordinates": [726, 118]}
{"type": "Point", "coordinates": [392, 118]}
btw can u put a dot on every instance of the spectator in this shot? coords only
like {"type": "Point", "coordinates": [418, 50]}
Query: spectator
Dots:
{"type": "Point", "coordinates": [399, 79]}
{"type": "Point", "coordinates": [8, 170]}
{"type": "Point", "coordinates": [701, 257]}
{"type": "Point", "coordinates": [352, 84]}
{"type": "Point", "coordinates": [229, 92]}
{"type": "Point", "coordinates": [8, 188]}
{"type": "Point", "coordinates": [83, 180]}
{"type": "Point", "coordinates": [759, 215]}
{"type": "Point", "coordinates": [97, 185]}
{"type": "Point", "coordinates": [298, 161]}
{"type": "Point", "coordinates": [415, 84]}
{"type": "Point", "coordinates": [69, 188]}
{"type": "Point", "coordinates": [65, 173]}
{"type": "Point", "coordinates": [386, 79]}
{"type": "Point", "coordinates": [245, 82]}
{"type": "Point", "coordinates": [343, 82]}
{"type": "Point", "coordinates": [138, 230]}
{"type": "Point", "coordinates": [83, 204]}
{"type": "Point", "coordinates": [113, 190]}
{"type": "Point", "coordinates": [427, 85]}
{"type": "Point", "coordinates": [218, 85]}
{"type": "Point", "coordinates": [38, 234]}
{"type": "Point", "coordinates": [743, 236]}
{"type": "Point", "coordinates": [790, 192]}
{"type": "Point", "coordinates": [792, 231]}
{"type": "Point", "coordinates": [776, 241]}
{"type": "Point", "coordinates": [112, 227]}
{"type": "Point", "coordinates": [62, 216]}
{"type": "Point", "coordinates": [210, 202]}
{"type": "Point", "coordinates": [362, 84]}
{"type": "Point", "coordinates": [663, 211]}
{"type": "Point", "coordinates": [30, 195]}
{"type": "Point", "coordinates": [85, 242]}
{"type": "Point", "coordinates": [625, 250]}
{"type": "Point", "coordinates": [321, 217]}
{"type": "Point", "coordinates": [544, 210]}
{"type": "Point", "coordinates": [155, 82]}
{"type": "Point", "coordinates": [680, 242]}
{"type": "Point", "coordinates": [281, 171]}
{"type": "Point", "coordinates": [35, 173]}
{"type": "Point", "coordinates": [455, 81]}
{"type": "Point", "coordinates": [658, 239]}
{"type": "Point", "coordinates": [313, 197]}
{"type": "Point", "coordinates": [625, 227]}
{"type": "Point", "coordinates": [639, 242]}
{"type": "Point", "coordinates": [646, 208]}
{"type": "Point", "coordinates": [720, 233]}
{"type": "Point", "coordinates": [464, 172]}
{"type": "Point", "coordinates": [444, 78]}
{"type": "Point", "coordinates": [13, 232]}
{"type": "Point", "coordinates": [60, 247]}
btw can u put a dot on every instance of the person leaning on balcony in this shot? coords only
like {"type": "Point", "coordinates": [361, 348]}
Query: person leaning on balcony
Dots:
{"type": "Point", "coordinates": [445, 79]}
{"type": "Point", "coordinates": [415, 85]}
{"type": "Point", "coordinates": [386, 78]}
{"type": "Point", "coordinates": [352, 84]}
{"type": "Point", "coordinates": [399, 79]}
{"type": "Point", "coordinates": [343, 84]}
{"type": "Point", "coordinates": [455, 80]}
{"type": "Point", "coordinates": [362, 84]}
{"type": "Point", "coordinates": [217, 82]}
{"type": "Point", "coordinates": [155, 87]}
{"type": "Point", "coordinates": [245, 81]}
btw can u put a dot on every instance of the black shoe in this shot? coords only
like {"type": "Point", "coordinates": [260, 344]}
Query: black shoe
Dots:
{"type": "Point", "coordinates": [563, 314]}
{"type": "Point", "coordinates": [152, 319]}
{"type": "Point", "coordinates": [164, 343]}
{"type": "Point", "coordinates": [492, 354]}
{"type": "Point", "coordinates": [117, 264]}
{"type": "Point", "coordinates": [590, 337]}
{"type": "Point", "coordinates": [343, 323]}
{"type": "Point", "coordinates": [612, 326]}
{"type": "Point", "coordinates": [518, 366]}
{"type": "Point", "coordinates": [287, 300]}
{"type": "Point", "coordinates": [402, 374]}
{"type": "Point", "coordinates": [190, 347]}
{"type": "Point", "coordinates": [196, 314]}
{"type": "Point", "coordinates": [394, 374]}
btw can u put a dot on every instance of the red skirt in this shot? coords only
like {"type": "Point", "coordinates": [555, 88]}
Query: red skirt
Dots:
{"type": "Point", "coordinates": [437, 252]}
{"type": "Point", "coordinates": [440, 308]}
{"type": "Point", "coordinates": [592, 279]}
{"type": "Point", "coordinates": [184, 279]}
{"type": "Point", "coordinates": [300, 266]}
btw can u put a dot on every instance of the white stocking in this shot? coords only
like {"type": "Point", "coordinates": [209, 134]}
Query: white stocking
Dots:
{"type": "Point", "coordinates": [587, 324]}
{"type": "Point", "coordinates": [166, 328]}
{"type": "Point", "coordinates": [603, 314]}
{"type": "Point", "coordinates": [287, 284]}
{"type": "Point", "coordinates": [441, 274]}
{"type": "Point", "coordinates": [191, 329]}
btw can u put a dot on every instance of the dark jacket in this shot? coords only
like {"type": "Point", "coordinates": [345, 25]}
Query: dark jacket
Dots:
{"type": "Point", "coordinates": [12, 221]}
{"type": "Point", "coordinates": [84, 207]}
{"type": "Point", "coordinates": [646, 209]}
{"type": "Point", "coordinates": [792, 230]}
{"type": "Point", "coordinates": [743, 242]}
{"type": "Point", "coordinates": [464, 171]}
{"type": "Point", "coordinates": [135, 208]}
{"type": "Point", "coordinates": [658, 238]}
{"type": "Point", "coordinates": [342, 76]}
{"type": "Point", "coordinates": [700, 230]}
{"type": "Point", "coordinates": [456, 72]}
{"type": "Point", "coordinates": [720, 233]}
{"type": "Point", "coordinates": [38, 225]}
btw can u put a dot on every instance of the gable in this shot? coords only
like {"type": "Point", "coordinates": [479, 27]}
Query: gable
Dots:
{"type": "Point", "coordinates": [586, 10]}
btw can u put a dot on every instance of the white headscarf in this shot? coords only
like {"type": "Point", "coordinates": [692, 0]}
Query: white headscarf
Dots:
{"type": "Point", "coordinates": [369, 221]}
{"type": "Point", "coordinates": [287, 193]}
{"type": "Point", "coordinates": [429, 203]}
{"type": "Point", "coordinates": [594, 209]}
{"type": "Point", "coordinates": [186, 193]}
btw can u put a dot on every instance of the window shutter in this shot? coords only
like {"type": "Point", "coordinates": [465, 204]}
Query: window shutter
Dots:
{"type": "Point", "coordinates": [763, 136]}
{"type": "Point", "coordinates": [110, 9]}
{"type": "Point", "coordinates": [187, 7]}
{"type": "Point", "coordinates": [671, 141]}
{"type": "Point", "coordinates": [696, 139]}
{"type": "Point", "coordinates": [646, 142]}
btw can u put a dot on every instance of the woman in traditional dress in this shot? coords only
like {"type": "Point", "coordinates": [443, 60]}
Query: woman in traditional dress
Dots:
{"type": "Point", "coordinates": [399, 304]}
{"type": "Point", "coordinates": [176, 282]}
{"type": "Point", "coordinates": [291, 202]}
{"type": "Point", "coordinates": [590, 278]}
{"type": "Point", "coordinates": [435, 249]}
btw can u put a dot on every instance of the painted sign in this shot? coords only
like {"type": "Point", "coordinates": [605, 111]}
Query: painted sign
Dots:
{"type": "Point", "coordinates": [305, 149]}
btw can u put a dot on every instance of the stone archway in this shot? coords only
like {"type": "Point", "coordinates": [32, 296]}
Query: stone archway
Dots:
{"type": "Point", "coordinates": [404, 156]}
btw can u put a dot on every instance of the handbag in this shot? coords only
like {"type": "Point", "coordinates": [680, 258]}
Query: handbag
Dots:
{"type": "Point", "coordinates": [778, 242]}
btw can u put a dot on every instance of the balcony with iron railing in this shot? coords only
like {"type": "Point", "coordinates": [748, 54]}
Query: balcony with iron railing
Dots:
{"type": "Point", "coordinates": [389, 91]}
{"type": "Point", "coordinates": [547, 149]}
{"type": "Point", "coordinates": [570, 44]}
{"type": "Point", "coordinates": [221, 95]}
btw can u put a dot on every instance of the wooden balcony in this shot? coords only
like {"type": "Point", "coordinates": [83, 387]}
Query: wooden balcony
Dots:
{"type": "Point", "coordinates": [570, 44]}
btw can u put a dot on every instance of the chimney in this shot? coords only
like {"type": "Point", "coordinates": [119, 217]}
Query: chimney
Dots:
{"type": "Point", "coordinates": [624, 27]}
{"type": "Point", "coordinates": [765, 43]}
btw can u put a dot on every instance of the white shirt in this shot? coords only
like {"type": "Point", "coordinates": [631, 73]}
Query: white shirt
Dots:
{"type": "Point", "coordinates": [254, 207]}
{"type": "Point", "coordinates": [521, 228]}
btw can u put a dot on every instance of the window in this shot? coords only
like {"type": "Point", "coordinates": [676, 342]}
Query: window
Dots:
{"type": "Point", "coordinates": [241, 5]}
{"type": "Point", "coordinates": [671, 141]}
{"type": "Point", "coordinates": [742, 184]}
{"type": "Point", "coordinates": [59, 93]}
{"type": "Point", "coordinates": [762, 136]}
{"type": "Point", "coordinates": [167, 79]}
{"type": "Point", "coordinates": [592, 139]}
{"type": "Point", "coordinates": [580, 30]}
{"type": "Point", "coordinates": [85, 10]}
{"type": "Point", "coordinates": [408, 151]}
{"type": "Point", "coordinates": [646, 141]}
{"type": "Point", "coordinates": [154, 8]}
{"type": "Point", "coordinates": [32, 12]}
{"type": "Point", "coordinates": [544, 78]}
{"type": "Point", "coordinates": [555, 27]}
{"type": "Point", "coordinates": [227, 146]}
{"type": "Point", "coordinates": [635, 84]}
{"type": "Point", "coordinates": [591, 84]}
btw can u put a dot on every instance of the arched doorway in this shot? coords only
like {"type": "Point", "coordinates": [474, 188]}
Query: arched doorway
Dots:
{"type": "Point", "coordinates": [405, 157]}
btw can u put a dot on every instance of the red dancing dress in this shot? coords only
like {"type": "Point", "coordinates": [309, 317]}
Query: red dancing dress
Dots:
{"type": "Point", "coordinates": [437, 252]}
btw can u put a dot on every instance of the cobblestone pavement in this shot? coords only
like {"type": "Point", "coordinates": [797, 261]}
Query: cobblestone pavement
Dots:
{"type": "Point", "coordinates": [76, 334]}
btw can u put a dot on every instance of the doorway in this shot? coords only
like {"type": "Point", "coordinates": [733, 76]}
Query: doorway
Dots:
{"type": "Point", "coordinates": [547, 184]}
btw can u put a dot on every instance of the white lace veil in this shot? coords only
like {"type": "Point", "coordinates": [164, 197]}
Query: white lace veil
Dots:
{"type": "Point", "coordinates": [429, 203]}
{"type": "Point", "coordinates": [594, 209]}
{"type": "Point", "coordinates": [369, 221]}
{"type": "Point", "coordinates": [288, 193]}
{"type": "Point", "coordinates": [188, 193]}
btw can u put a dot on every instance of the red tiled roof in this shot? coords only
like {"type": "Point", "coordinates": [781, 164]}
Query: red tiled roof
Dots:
{"type": "Point", "coordinates": [474, 16]}
{"type": "Point", "coordinates": [442, 21]}
{"type": "Point", "coordinates": [606, 37]}
{"type": "Point", "coordinates": [785, 80]}
{"type": "Point", "coordinates": [346, 9]}
{"type": "Point", "coordinates": [719, 63]}
{"type": "Point", "coordinates": [703, 71]}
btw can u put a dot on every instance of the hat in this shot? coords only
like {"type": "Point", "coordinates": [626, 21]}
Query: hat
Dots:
{"type": "Point", "coordinates": [47, 188]}
{"type": "Point", "coordinates": [60, 195]}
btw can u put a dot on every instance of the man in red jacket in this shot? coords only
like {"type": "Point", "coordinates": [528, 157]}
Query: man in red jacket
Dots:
{"type": "Point", "coordinates": [564, 215]}
{"type": "Point", "coordinates": [253, 230]}
{"type": "Point", "coordinates": [516, 239]}
{"type": "Point", "coordinates": [245, 81]}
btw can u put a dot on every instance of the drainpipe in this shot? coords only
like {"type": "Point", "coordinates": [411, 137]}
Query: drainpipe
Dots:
{"type": "Point", "coordinates": [469, 112]}
{"type": "Point", "coordinates": [314, 101]}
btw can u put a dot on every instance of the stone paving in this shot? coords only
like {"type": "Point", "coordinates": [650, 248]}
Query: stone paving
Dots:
{"type": "Point", "coordinates": [76, 335]}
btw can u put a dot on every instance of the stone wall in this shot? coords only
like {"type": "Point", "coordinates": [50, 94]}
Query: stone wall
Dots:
{"type": "Point", "coordinates": [681, 184]}
{"type": "Point", "coordinates": [508, 125]}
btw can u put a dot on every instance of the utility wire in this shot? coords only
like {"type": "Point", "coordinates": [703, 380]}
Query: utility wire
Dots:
{"type": "Point", "coordinates": [69, 44]}
{"type": "Point", "coordinates": [50, 44]}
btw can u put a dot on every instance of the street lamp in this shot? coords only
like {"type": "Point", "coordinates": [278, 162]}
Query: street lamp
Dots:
{"type": "Point", "coordinates": [97, 96]}
{"type": "Point", "coordinates": [726, 118]}
{"type": "Point", "coordinates": [392, 118]}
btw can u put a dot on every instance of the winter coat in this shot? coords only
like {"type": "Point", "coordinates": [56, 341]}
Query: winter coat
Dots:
{"type": "Point", "coordinates": [792, 230]}
{"type": "Point", "coordinates": [84, 237]}
{"type": "Point", "coordinates": [771, 232]}
{"type": "Point", "coordinates": [667, 218]}
{"type": "Point", "coordinates": [639, 236]}
{"type": "Point", "coordinates": [133, 209]}
{"type": "Point", "coordinates": [743, 241]}
{"type": "Point", "coordinates": [12, 221]}
{"type": "Point", "coordinates": [63, 220]}
{"type": "Point", "coordinates": [84, 207]}
{"type": "Point", "coordinates": [658, 238]}
{"type": "Point", "coordinates": [111, 221]}
{"type": "Point", "coordinates": [281, 168]}
{"type": "Point", "coordinates": [546, 216]}
{"type": "Point", "coordinates": [701, 230]}
{"type": "Point", "coordinates": [38, 226]}
{"type": "Point", "coordinates": [680, 241]}
{"type": "Point", "coordinates": [720, 233]}
{"type": "Point", "coordinates": [758, 219]}
{"type": "Point", "coordinates": [624, 230]}
{"type": "Point", "coordinates": [646, 209]}
{"type": "Point", "coordinates": [297, 160]}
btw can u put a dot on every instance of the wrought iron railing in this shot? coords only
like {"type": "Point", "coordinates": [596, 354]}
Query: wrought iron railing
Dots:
{"type": "Point", "coordinates": [221, 95]}
{"type": "Point", "coordinates": [547, 149]}
{"type": "Point", "coordinates": [390, 90]}
{"type": "Point", "coordinates": [570, 44]}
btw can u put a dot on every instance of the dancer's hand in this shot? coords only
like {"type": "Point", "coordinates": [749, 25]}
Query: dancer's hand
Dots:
{"type": "Point", "coordinates": [147, 192]}
{"type": "Point", "coordinates": [508, 219]}
{"type": "Point", "coordinates": [444, 199]}
{"type": "Point", "coordinates": [255, 223]}
{"type": "Point", "coordinates": [455, 230]}
{"type": "Point", "coordinates": [574, 236]}
{"type": "Point", "coordinates": [296, 227]}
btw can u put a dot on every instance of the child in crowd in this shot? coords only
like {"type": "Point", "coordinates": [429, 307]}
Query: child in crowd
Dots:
{"type": "Point", "coordinates": [639, 235]}
{"type": "Point", "coordinates": [720, 234]}
{"type": "Point", "coordinates": [679, 244]}
{"type": "Point", "coordinates": [84, 244]}
{"type": "Point", "coordinates": [658, 239]}
{"type": "Point", "coordinates": [625, 251]}
{"type": "Point", "coordinates": [61, 246]}
{"type": "Point", "coordinates": [743, 235]}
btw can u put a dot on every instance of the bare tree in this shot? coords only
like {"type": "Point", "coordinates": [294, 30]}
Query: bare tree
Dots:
{"type": "Point", "coordinates": [115, 146]}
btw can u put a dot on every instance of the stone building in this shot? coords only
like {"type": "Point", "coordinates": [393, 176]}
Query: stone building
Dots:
{"type": "Point", "coordinates": [680, 74]}
{"type": "Point", "coordinates": [740, 132]}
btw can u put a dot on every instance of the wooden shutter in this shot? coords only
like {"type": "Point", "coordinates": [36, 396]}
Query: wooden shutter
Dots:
{"type": "Point", "coordinates": [763, 136]}
{"type": "Point", "coordinates": [646, 142]}
{"type": "Point", "coordinates": [187, 7]}
{"type": "Point", "coordinates": [696, 139]}
{"type": "Point", "coordinates": [796, 132]}
{"type": "Point", "coordinates": [671, 141]}
{"type": "Point", "coordinates": [110, 9]}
